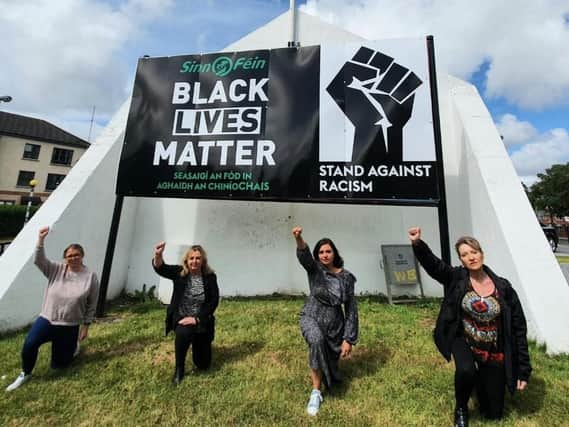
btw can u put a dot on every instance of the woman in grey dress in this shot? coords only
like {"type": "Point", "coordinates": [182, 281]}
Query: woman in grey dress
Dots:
{"type": "Point", "coordinates": [329, 330]}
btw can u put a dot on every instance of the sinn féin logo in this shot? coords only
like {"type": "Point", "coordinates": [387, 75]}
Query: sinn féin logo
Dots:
{"type": "Point", "coordinates": [376, 94]}
{"type": "Point", "coordinates": [223, 65]}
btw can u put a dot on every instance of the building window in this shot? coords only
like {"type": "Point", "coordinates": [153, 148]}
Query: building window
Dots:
{"type": "Point", "coordinates": [7, 202]}
{"type": "Point", "coordinates": [61, 156]}
{"type": "Point", "coordinates": [53, 181]}
{"type": "Point", "coordinates": [24, 178]}
{"type": "Point", "coordinates": [32, 151]}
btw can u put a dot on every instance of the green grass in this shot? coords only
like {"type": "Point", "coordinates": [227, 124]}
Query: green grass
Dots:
{"type": "Point", "coordinates": [259, 376]}
{"type": "Point", "coordinates": [563, 259]}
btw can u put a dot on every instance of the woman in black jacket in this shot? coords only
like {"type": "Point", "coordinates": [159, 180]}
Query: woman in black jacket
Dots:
{"type": "Point", "coordinates": [194, 299]}
{"type": "Point", "coordinates": [481, 324]}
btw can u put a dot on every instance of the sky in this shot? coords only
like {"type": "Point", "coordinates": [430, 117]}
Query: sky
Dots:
{"type": "Point", "coordinates": [63, 60]}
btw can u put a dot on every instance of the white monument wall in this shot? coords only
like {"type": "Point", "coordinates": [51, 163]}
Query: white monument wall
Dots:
{"type": "Point", "coordinates": [79, 210]}
{"type": "Point", "coordinates": [250, 244]}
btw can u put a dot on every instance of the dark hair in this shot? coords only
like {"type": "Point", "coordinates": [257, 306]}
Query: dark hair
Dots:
{"type": "Point", "coordinates": [75, 246]}
{"type": "Point", "coordinates": [206, 269]}
{"type": "Point", "coordinates": [470, 241]}
{"type": "Point", "coordinates": [338, 261]}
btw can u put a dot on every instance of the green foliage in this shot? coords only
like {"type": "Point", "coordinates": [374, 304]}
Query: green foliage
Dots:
{"type": "Point", "coordinates": [145, 295]}
{"type": "Point", "coordinates": [12, 219]}
{"type": "Point", "coordinates": [259, 374]}
{"type": "Point", "coordinates": [551, 192]}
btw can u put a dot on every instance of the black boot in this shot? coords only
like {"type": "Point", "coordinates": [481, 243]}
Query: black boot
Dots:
{"type": "Point", "coordinates": [178, 375]}
{"type": "Point", "coordinates": [461, 417]}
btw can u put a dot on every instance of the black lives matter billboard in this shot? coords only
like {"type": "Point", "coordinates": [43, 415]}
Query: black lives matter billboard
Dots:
{"type": "Point", "coordinates": [343, 123]}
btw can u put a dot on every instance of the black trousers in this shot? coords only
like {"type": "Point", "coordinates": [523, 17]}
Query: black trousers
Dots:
{"type": "Point", "coordinates": [186, 335]}
{"type": "Point", "coordinates": [489, 381]}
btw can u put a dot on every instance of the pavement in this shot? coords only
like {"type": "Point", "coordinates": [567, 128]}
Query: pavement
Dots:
{"type": "Point", "coordinates": [562, 248]}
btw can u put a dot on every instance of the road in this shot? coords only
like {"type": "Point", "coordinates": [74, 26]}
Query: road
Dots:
{"type": "Point", "coordinates": [563, 248]}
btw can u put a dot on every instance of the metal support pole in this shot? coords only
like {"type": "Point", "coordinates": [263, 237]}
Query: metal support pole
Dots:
{"type": "Point", "coordinates": [106, 274]}
{"type": "Point", "coordinates": [292, 40]}
{"type": "Point", "coordinates": [33, 184]}
{"type": "Point", "coordinates": [442, 205]}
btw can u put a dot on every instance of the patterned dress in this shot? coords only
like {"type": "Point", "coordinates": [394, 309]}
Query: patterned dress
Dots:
{"type": "Point", "coordinates": [323, 323]}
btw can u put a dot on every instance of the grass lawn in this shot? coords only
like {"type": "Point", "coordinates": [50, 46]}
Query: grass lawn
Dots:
{"type": "Point", "coordinates": [562, 259]}
{"type": "Point", "coordinates": [259, 376]}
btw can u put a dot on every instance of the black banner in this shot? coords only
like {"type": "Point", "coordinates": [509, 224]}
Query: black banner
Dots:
{"type": "Point", "coordinates": [247, 126]}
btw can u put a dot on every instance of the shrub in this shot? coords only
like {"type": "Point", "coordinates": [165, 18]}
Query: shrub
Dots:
{"type": "Point", "coordinates": [12, 219]}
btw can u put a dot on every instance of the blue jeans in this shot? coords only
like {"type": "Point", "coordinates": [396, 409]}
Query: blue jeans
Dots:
{"type": "Point", "coordinates": [63, 343]}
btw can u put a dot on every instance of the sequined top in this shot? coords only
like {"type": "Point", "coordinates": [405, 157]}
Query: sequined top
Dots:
{"type": "Point", "coordinates": [481, 322]}
{"type": "Point", "coordinates": [194, 296]}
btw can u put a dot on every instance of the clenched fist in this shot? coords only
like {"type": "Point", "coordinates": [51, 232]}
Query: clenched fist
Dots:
{"type": "Point", "coordinates": [414, 234]}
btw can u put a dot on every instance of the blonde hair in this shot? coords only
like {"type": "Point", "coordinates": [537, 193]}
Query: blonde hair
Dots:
{"type": "Point", "coordinates": [470, 241]}
{"type": "Point", "coordinates": [206, 269]}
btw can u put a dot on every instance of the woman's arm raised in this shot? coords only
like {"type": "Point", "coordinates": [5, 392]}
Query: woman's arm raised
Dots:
{"type": "Point", "coordinates": [297, 233]}
{"type": "Point", "coordinates": [158, 260]}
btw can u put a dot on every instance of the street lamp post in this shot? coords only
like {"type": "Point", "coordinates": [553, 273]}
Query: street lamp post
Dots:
{"type": "Point", "coordinates": [32, 184]}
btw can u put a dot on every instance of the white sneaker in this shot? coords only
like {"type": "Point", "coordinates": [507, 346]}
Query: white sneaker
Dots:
{"type": "Point", "coordinates": [77, 350]}
{"type": "Point", "coordinates": [22, 378]}
{"type": "Point", "coordinates": [314, 402]}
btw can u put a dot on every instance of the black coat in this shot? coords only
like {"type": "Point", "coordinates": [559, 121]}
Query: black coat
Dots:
{"type": "Point", "coordinates": [513, 323]}
{"type": "Point", "coordinates": [205, 315]}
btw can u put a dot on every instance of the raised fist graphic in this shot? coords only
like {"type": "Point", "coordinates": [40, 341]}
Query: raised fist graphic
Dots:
{"type": "Point", "coordinates": [376, 94]}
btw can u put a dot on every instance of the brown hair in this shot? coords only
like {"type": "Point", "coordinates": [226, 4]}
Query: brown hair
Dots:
{"type": "Point", "coordinates": [470, 241]}
{"type": "Point", "coordinates": [75, 246]}
{"type": "Point", "coordinates": [206, 269]}
{"type": "Point", "coordinates": [338, 261]}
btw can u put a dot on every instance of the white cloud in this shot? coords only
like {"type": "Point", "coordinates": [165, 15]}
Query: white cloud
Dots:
{"type": "Point", "coordinates": [526, 43]}
{"type": "Point", "coordinates": [549, 148]}
{"type": "Point", "coordinates": [529, 180]}
{"type": "Point", "coordinates": [65, 56]}
{"type": "Point", "coordinates": [514, 131]}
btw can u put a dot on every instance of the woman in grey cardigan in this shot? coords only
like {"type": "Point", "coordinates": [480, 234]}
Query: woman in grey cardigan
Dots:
{"type": "Point", "coordinates": [328, 330]}
{"type": "Point", "coordinates": [68, 309]}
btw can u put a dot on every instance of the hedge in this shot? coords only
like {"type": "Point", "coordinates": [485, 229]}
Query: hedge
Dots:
{"type": "Point", "coordinates": [12, 219]}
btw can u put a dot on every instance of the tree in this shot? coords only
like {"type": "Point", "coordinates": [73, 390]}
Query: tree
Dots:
{"type": "Point", "coordinates": [551, 192]}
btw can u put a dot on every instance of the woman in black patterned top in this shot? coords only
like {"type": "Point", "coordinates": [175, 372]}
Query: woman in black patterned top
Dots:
{"type": "Point", "coordinates": [195, 297]}
{"type": "Point", "coordinates": [481, 324]}
{"type": "Point", "coordinates": [328, 330]}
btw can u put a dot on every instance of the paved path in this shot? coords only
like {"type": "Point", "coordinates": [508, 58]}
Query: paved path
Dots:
{"type": "Point", "coordinates": [562, 248]}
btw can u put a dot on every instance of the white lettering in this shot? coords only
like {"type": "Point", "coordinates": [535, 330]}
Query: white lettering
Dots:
{"type": "Point", "coordinates": [238, 89]}
{"type": "Point", "coordinates": [181, 93]}
{"type": "Point", "coordinates": [265, 151]}
{"type": "Point", "coordinates": [196, 98]}
{"type": "Point", "coordinates": [187, 156]}
{"type": "Point", "coordinates": [160, 153]}
{"type": "Point", "coordinates": [256, 88]}
{"type": "Point", "coordinates": [345, 186]}
{"type": "Point", "coordinates": [204, 145]}
{"type": "Point", "coordinates": [223, 152]}
{"type": "Point", "coordinates": [217, 93]}
{"type": "Point", "coordinates": [233, 90]}
{"type": "Point", "coordinates": [400, 170]}
{"type": "Point", "coordinates": [242, 151]}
